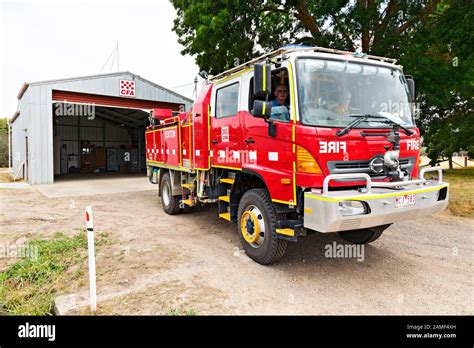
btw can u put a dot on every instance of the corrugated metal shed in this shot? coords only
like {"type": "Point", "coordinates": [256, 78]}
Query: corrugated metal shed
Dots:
{"type": "Point", "coordinates": [34, 122]}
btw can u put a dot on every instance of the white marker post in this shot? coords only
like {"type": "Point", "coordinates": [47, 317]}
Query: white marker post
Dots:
{"type": "Point", "coordinates": [90, 246]}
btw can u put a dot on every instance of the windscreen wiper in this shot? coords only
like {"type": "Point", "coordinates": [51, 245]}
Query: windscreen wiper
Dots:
{"type": "Point", "coordinates": [361, 118]}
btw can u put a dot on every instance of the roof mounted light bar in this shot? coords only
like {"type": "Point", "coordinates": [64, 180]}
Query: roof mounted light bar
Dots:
{"type": "Point", "coordinates": [291, 50]}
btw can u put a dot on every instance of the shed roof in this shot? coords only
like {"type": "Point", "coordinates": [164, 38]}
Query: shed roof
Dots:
{"type": "Point", "coordinates": [25, 85]}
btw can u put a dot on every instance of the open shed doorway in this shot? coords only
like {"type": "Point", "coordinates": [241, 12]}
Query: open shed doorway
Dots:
{"type": "Point", "coordinates": [96, 140]}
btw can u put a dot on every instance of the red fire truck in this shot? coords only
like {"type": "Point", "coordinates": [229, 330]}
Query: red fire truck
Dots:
{"type": "Point", "coordinates": [298, 141]}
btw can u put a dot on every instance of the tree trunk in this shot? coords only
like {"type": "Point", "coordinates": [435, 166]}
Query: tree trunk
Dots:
{"type": "Point", "coordinates": [308, 20]}
{"type": "Point", "coordinates": [365, 5]}
{"type": "Point", "coordinates": [450, 161]}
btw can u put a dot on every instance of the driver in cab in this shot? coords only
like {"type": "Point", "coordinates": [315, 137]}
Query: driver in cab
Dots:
{"type": "Point", "coordinates": [280, 105]}
{"type": "Point", "coordinates": [343, 108]}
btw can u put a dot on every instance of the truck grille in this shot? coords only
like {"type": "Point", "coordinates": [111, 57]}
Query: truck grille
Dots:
{"type": "Point", "coordinates": [346, 167]}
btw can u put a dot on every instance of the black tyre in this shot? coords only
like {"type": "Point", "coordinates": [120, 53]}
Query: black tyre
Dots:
{"type": "Point", "coordinates": [170, 202]}
{"type": "Point", "coordinates": [256, 228]}
{"type": "Point", "coordinates": [364, 236]}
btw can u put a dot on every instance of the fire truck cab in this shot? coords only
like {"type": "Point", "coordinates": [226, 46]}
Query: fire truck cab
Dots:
{"type": "Point", "coordinates": [338, 151]}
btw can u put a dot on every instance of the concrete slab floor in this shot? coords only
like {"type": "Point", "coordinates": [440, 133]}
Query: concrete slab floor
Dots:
{"type": "Point", "coordinates": [90, 184]}
{"type": "Point", "coordinates": [15, 185]}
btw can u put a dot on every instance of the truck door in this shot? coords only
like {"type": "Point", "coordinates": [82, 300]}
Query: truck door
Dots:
{"type": "Point", "coordinates": [226, 126]}
{"type": "Point", "coordinates": [272, 157]}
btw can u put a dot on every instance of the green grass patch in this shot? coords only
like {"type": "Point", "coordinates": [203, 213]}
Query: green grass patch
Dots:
{"type": "Point", "coordinates": [461, 191]}
{"type": "Point", "coordinates": [28, 286]}
{"type": "Point", "coordinates": [181, 311]}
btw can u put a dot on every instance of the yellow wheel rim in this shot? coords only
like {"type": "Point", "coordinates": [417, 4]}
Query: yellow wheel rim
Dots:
{"type": "Point", "coordinates": [249, 227]}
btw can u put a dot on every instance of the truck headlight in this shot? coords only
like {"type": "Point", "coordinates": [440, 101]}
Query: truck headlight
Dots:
{"type": "Point", "coordinates": [352, 208]}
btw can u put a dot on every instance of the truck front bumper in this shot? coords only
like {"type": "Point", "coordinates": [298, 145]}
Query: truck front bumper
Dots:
{"type": "Point", "coordinates": [384, 203]}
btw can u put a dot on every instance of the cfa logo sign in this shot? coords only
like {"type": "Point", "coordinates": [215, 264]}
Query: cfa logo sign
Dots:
{"type": "Point", "coordinates": [127, 88]}
{"type": "Point", "coordinates": [332, 147]}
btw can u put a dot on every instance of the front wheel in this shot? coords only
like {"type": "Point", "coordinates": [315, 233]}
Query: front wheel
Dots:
{"type": "Point", "coordinates": [256, 226]}
{"type": "Point", "coordinates": [364, 236]}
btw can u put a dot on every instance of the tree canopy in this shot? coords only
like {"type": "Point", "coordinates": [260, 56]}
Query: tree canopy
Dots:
{"type": "Point", "coordinates": [439, 54]}
{"type": "Point", "coordinates": [219, 31]}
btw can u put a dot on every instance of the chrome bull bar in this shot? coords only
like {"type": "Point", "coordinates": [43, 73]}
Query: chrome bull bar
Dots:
{"type": "Point", "coordinates": [370, 184]}
{"type": "Point", "coordinates": [382, 205]}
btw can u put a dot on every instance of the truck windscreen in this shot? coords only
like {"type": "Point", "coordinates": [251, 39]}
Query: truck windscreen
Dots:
{"type": "Point", "coordinates": [331, 91]}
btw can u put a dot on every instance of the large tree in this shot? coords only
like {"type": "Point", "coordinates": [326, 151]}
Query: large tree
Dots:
{"type": "Point", "coordinates": [439, 53]}
{"type": "Point", "coordinates": [433, 39]}
{"type": "Point", "coordinates": [219, 32]}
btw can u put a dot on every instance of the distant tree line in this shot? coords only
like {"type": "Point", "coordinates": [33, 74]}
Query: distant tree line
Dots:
{"type": "Point", "coordinates": [3, 142]}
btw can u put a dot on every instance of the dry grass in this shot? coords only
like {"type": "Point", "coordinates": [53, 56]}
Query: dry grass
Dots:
{"type": "Point", "coordinates": [5, 177]}
{"type": "Point", "coordinates": [461, 191]}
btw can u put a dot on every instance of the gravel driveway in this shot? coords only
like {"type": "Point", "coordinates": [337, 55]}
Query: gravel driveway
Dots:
{"type": "Point", "coordinates": [194, 261]}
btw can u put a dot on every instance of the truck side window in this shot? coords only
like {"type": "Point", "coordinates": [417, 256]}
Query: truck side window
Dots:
{"type": "Point", "coordinates": [280, 109]}
{"type": "Point", "coordinates": [227, 99]}
{"type": "Point", "coordinates": [280, 95]}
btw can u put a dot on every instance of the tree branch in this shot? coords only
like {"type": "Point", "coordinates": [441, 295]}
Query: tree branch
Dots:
{"type": "Point", "coordinates": [302, 14]}
{"type": "Point", "coordinates": [344, 33]}
{"type": "Point", "coordinates": [380, 29]}
{"type": "Point", "coordinates": [274, 9]}
{"type": "Point", "coordinates": [389, 12]}
{"type": "Point", "coordinates": [426, 11]}
{"type": "Point", "coordinates": [365, 39]}
{"type": "Point", "coordinates": [307, 19]}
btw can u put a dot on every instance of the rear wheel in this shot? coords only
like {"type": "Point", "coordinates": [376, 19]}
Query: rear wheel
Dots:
{"type": "Point", "coordinates": [364, 236]}
{"type": "Point", "coordinates": [256, 226]}
{"type": "Point", "coordinates": [170, 202]}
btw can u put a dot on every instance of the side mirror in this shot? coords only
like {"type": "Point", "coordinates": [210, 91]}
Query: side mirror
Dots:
{"type": "Point", "coordinates": [262, 109]}
{"type": "Point", "coordinates": [262, 80]}
{"type": "Point", "coordinates": [411, 87]}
